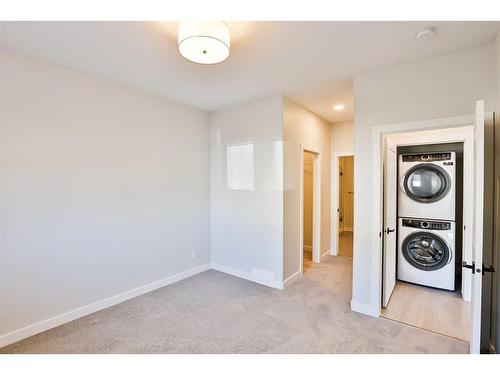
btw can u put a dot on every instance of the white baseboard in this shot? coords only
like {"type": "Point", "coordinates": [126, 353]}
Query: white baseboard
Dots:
{"type": "Point", "coordinates": [33, 329]}
{"type": "Point", "coordinates": [292, 278]}
{"type": "Point", "coordinates": [325, 254]}
{"type": "Point", "coordinates": [365, 309]}
{"type": "Point", "coordinates": [256, 277]}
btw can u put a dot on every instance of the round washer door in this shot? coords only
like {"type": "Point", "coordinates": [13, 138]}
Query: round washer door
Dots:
{"type": "Point", "coordinates": [426, 183]}
{"type": "Point", "coordinates": [426, 251]}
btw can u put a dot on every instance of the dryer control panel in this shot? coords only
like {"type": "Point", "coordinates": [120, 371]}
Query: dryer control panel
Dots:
{"type": "Point", "coordinates": [427, 224]}
{"type": "Point", "coordinates": [435, 156]}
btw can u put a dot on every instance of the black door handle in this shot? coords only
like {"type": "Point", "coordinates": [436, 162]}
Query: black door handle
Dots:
{"type": "Point", "coordinates": [389, 230]}
{"type": "Point", "coordinates": [488, 269]}
{"type": "Point", "coordinates": [469, 266]}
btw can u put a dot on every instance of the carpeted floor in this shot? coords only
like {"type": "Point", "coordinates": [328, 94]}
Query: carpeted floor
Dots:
{"type": "Point", "coordinates": [216, 313]}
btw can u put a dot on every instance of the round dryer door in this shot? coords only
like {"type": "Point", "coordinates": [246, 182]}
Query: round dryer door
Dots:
{"type": "Point", "coordinates": [426, 183]}
{"type": "Point", "coordinates": [426, 251]}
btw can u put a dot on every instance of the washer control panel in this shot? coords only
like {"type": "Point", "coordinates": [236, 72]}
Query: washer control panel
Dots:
{"type": "Point", "coordinates": [427, 224]}
{"type": "Point", "coordinates": [435, 156]}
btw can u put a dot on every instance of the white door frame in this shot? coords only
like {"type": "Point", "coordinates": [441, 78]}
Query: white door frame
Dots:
{"type": "Point", "coordinates": [335, 199]}
{"type": "Point", "coordinates": [316, 250]}
{"type": "Point", "coordinates": [378, 134]}
{"type": "Point", "coordinates": [477, 258]}
{"type": "Point", "coordinates": [389, 243]}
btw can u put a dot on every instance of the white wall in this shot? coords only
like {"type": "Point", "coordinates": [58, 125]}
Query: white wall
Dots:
{"type": "Point", "coordinates": [103, 189]}
{"type": "Point", "coordinates": [247, 224]}
{"type": "Point", "coordinates": [343, 137]}
{"type": "Point", "coordinates": [442, 86]}
{"type": "Point", "coordinates": [302, 127]}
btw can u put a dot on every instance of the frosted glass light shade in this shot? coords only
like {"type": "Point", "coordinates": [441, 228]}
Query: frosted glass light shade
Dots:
{"type": "Point", "coordinates": [204, 42]}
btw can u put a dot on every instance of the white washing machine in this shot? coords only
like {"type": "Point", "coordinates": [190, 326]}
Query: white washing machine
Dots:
{"type": "Point", "coordinates": [426, 252]}
{"type": "Point", "coordinates": [427, 185]}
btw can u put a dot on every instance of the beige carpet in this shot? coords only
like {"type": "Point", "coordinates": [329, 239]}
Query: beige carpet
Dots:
{"type": "Point", "coordinates": [217, 313]}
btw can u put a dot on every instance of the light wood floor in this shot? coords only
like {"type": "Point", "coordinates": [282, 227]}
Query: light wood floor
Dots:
{"type": "Point", "coordinates": [308, 263]}
{"type": "Point", "coordinates": [345, 244]}
{"type": "Point", "coordinates": [431, 309]}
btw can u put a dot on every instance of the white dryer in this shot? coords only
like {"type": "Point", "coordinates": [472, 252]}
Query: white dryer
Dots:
{"type": "Point", "coordinates": [426, 252]}
{"type": "Point", "coordinates": [427, 185]}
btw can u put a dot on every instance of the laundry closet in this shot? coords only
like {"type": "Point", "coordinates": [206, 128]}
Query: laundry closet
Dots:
{"type": "Point", "coordinates": [425, 179]}
{"type": "Point", "coordinates": [430, 215]}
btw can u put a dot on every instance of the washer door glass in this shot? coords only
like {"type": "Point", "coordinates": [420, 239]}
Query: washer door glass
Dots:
{"type": "Point", "coordinates": [426, 251]}
{"type": "Point", "coordinates": [426, 183]}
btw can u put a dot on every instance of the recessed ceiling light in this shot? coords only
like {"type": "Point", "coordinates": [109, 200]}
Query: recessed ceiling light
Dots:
{"type": "Point", "coordinates": [204, 42]}
{"type": "Point", "coordinates": [426, 34]}
{"type": "Point", "coordinates": [338, 107]}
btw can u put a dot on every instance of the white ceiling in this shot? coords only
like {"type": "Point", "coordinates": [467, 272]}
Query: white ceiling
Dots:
{"type": "Point", "coordinates": [312, 63]}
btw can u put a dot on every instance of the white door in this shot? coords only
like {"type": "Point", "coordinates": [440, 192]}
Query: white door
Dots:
{"type": "Point", "coordinates": [477, 248]}
{"type": "Point", "coordinates": [390, 221]}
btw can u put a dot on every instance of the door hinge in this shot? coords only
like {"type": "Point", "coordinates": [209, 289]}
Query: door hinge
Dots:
{"type": "Point", "coordinates": [389, 230]}
{"type": "Point", "coordinates": [488, 269]}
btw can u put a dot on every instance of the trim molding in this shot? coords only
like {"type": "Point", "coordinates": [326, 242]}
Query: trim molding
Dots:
{"type": "Point", "coordinates": [44, 325]}
{"type": "Point", "coordinates": [371, 310]}
{"type": "Point", "coordinates": [292, 278]}
{"type": "Point", "coordinates": [248, 276]}
{"type": "Point", "coordinates": [325, 254]}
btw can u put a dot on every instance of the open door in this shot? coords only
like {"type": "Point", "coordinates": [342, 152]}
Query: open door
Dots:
{"type": "Point", "coordinates": [390, 221]}
{"type": "Point", "coordinates": [490, 220]}
{"type": "Point", "coordinates": [477, 247]}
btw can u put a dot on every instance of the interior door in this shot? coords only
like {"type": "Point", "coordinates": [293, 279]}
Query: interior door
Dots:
{"type": "Point", "coordinates": [477, 249]}
{"type": "Point", "coordinates": [349, 192]}
{"type": "Point", "coordinates": [489, 220]}
{"type": "Point", "coordinates": [494, 340]}
{"type": "Point", "coordinates": [341, 192]}
{"type": "Point", "coordinates": [390, 221]}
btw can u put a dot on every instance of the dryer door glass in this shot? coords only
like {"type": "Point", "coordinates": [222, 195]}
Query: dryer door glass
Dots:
{"type": "Point", "coordinates": [426, 251]}
{"type": "Point", "coordinates": [426, 183]}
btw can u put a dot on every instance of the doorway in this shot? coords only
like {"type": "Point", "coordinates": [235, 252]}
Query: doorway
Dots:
{"type": "Point", "coordinates": [423, 245]}
{"type": "Point", "coordinates": [346, 205]}
{"type": "Point", "coordinates": [310, 208]}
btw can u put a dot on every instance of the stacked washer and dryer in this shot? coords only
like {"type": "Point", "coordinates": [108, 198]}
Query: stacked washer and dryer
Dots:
{"type": "Point", "coordinates": [426, 219]}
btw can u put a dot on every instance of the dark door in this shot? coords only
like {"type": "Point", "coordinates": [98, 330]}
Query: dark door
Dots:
{"type": "Point", "coordinates": [490, 300]}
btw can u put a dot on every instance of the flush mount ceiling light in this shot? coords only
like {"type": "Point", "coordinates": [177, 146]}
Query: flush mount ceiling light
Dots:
{"type": "Point", "coordinates": [338, 107]}
{"type": "Point", "coordinates": [204, 42]}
